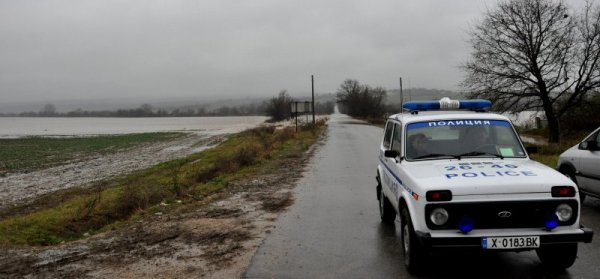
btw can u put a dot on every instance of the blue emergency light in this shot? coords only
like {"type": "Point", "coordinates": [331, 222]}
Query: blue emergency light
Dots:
{"type": "Point", "coordinates": [550, 221]}
{"type": "Point", "coordinates": [466, 224]}
{"type": "Point", "coordinates": [447, 104]}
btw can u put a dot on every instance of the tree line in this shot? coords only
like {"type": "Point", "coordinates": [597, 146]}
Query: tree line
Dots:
{"type": "Point", "coordinates": [278, 110]}
{"type": "Point", "coordinates": [147, 110]}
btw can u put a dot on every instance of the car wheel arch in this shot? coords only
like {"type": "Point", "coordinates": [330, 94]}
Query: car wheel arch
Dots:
{"type": "Point", "coordinates": [401, 205]}
{"type": "Point", "coordinates": [379, 185]}
{"type": "Point", "coordinates": [567, 167]}
{"type": "Point", "coordinates": [566, 164]}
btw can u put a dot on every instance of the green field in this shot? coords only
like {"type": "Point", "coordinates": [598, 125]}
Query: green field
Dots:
{"type": "Point", "coordinates": [32, 153]}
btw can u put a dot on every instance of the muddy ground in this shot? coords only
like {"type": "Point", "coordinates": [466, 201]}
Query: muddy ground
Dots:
{"type": "Point", "coordinates": [216, 239]}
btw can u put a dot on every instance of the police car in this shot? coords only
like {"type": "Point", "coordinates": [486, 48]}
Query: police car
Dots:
{"type": "Point", "coordinates": [460, 177]}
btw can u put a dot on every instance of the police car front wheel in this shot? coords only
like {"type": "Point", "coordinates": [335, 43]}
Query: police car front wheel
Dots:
{"type": "Point", "coordinates": [558, 256]}
{"type": "Point", "coordinates": [413, 251]}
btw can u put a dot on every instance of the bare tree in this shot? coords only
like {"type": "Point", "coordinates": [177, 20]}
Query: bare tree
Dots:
{"type": "Point", "coordinates": [48, 110]}
{"type": "Point", "coordinates": [278, 108]}
{"type": "Point", "coordinates": [535, 55]}
{"type": "Point", "coordinates": [360, 100]}
{"type": "Point", "coordinates": [146, 108]}
{"type": "Point", "coordinates": [348, 95]}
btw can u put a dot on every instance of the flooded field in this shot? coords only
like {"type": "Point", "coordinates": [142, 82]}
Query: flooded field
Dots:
{"type": "Point", "coordinates": [526, 118]}
{"type": "Point", "coordinates": [12, 127]}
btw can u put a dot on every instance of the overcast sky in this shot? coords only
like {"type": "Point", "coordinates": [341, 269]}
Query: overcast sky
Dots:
{"type": "Point", "coordinates": [147, 49]}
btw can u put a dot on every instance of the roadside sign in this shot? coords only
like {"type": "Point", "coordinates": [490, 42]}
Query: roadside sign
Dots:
{"type": "Point", "coordinates": [301, 107]}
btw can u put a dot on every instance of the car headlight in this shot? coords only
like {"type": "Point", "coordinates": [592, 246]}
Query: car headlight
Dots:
{"type": "Point", "coordinates": [439, 216]}
{"type": "Point", "coordinates": [564, 212]}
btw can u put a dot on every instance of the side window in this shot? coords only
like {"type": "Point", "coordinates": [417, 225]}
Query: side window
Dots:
{"type": "Point", "coordinates": [598, 137]}
{"type": "Point", "coordinates": [388, 134]}
{"type": "Point", "coordinates": [397, 139]}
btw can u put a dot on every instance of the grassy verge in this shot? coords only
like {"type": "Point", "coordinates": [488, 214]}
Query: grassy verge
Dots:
{"type": "Point", "coordinates": [547, 159]}
{"type": "Point", "coordinates": [188, 181]}
{"type": "Point", "coordinates": [31, 153]}
{"type": "Point", "coordinates": [548, 153]}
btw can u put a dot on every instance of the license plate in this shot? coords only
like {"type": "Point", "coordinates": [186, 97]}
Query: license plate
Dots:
{"type": "Point", "coordinates": [513, 242]}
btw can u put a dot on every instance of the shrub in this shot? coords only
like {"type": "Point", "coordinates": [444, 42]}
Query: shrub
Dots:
{"type": "Point", "coordinates": [247, 154]}
{"type": "Point", "coordinates": [284, 135]}
{"type": "Point", "coordinates": [278, 108]}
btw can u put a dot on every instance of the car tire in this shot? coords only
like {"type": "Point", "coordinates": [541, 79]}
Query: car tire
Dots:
{"type": "Point", "coordinates": [413, 251]}
{"type": "Point", "coordinates": [386, 210]}
{"type": "Point", "coordinates": [570, 173]}
{"type": "Point", "coordinates": [558, 256]}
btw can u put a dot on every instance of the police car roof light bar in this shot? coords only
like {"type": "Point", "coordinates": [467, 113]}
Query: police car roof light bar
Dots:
{"type": "Point", "coordinates": [448, 104]}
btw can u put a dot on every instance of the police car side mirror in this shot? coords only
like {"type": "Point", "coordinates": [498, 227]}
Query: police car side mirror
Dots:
{"type": "Point", "coordinates": [592, 145]}
{"type": "Point", "coordinates": [531, 149]}
{"type": "Point", "coordinates": [391, 154]}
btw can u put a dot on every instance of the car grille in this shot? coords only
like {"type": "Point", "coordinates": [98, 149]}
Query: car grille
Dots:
{"type": "Point", "coordinates": [486, 215]}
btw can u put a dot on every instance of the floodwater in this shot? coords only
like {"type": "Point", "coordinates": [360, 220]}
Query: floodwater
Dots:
{"type": "Point", "coordinates": [525, 118]}
{"type": "Point", "coordinates": [13, 127]}
{"type": "Point", "coordinates": [528, 119]}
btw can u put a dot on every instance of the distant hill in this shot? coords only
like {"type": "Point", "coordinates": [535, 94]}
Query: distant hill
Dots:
{"type": "Point", "coordinates": [412, 94]}
{"type": "Point", "coordinates": [166, 104]}
{"type": "Point", "coordinates": [208, 104]}
{"type": "Point", "coordinates": [126, 103]}
{"type": "Point", "coordinates": [319, 98]}
{"type": "Point", "coordinates": [393, 95]}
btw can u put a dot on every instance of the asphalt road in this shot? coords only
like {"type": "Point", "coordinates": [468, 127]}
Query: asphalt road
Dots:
{"type": "Point", "coordinates": [333, 230]}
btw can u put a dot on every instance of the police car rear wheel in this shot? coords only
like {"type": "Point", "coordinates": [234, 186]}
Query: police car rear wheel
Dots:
{"type": "Point", "coordinates": [386, 211]}
{"type": "Point", "coordinates": [413, 252]}
{"type": "Point", "coordinates": [558, 256]}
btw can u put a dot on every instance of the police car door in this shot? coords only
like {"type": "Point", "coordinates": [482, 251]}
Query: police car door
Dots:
{"type": "Point", "coordinates": [386, 177]}
{"type": "Point", "coordinates": [393, 165]}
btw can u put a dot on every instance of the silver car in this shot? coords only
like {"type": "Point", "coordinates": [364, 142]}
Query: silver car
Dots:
{"type": "Point", "coordinates": [582, 164]}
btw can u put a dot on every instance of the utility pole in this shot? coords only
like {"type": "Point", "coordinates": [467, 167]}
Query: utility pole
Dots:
{"type": "Point", "coordinates": [401, 96]}
{"type": "Point", "coordinates": [312, 81]}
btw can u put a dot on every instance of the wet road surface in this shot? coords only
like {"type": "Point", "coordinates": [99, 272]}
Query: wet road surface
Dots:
{"type": "Point", "coordinates": [333, 230]}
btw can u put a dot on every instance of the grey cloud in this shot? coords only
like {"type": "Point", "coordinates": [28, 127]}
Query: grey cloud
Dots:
{"type": "Point", "coordinates": [149, 49]}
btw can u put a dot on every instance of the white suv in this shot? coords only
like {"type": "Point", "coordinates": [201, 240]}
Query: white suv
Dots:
{"type": "Point", "coordinates": [581, 163]}
{"type": "Point", "coordinates": [462, 179]}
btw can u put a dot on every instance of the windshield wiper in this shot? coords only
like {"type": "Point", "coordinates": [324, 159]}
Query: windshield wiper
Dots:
{"type": "Point", "coordinates": [479, 153]}
{"type": "Point", "coordinates": [432, 155]}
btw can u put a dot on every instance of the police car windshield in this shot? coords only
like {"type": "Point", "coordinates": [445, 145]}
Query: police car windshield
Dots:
{"type": "Point", "coordinates": [434, 140]}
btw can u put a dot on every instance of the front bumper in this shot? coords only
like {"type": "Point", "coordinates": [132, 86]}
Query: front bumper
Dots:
{"type": "Point", "coordinates": [429, 242]}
